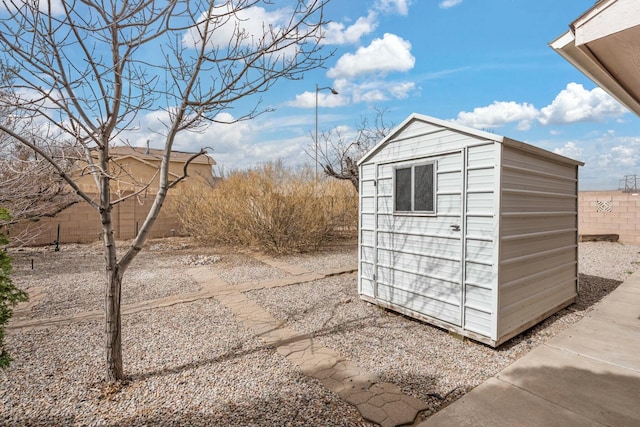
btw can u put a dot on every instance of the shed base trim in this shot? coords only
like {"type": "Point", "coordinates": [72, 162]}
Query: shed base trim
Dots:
{"type": "Point", "coordinates": [464, 332]}
{"type": "Point", "coordinates": [536, 320]}
{"type": "Point", "coordinates": [431, 320]}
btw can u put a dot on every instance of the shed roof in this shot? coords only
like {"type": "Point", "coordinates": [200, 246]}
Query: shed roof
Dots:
{"type": "Point", "coordinates": [604, 44]}
{"type": "Point", "coordinates": [476, 133]}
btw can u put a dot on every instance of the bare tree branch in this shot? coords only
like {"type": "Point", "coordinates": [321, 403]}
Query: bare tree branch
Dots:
{"type": "Point", "coordinates": [87, 73]}
{"type": "Point", "coordinates": [339, 153]}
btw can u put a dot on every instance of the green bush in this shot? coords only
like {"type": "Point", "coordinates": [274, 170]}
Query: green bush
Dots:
{"type": "Point", "coordinates": [9, 294]}
{"type": "Point", "coordinates": [273, 208]}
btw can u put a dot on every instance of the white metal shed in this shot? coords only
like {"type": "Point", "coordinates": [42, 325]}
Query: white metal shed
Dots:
{"type": "Point", "coordinates": [468, 230]}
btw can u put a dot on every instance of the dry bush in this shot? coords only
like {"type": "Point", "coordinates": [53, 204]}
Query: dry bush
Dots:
{"type": "Point", "coordinates": [271, 207]}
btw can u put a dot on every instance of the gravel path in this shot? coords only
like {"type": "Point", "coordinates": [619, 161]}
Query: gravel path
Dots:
{"type": "Point", "coordinates": [195, 364]}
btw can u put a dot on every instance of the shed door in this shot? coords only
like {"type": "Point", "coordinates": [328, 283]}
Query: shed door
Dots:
{"type": "Point", "coordinates": [419, 241]}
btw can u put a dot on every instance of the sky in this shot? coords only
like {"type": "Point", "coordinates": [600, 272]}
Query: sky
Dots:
{"type": "Point", "coordinates": [485, 64]}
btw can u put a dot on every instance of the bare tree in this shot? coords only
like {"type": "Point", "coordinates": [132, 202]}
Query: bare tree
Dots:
{"type": "Point", "coordinates": [86, 71]}
{"type": "Point", "coordinates": [339, 151]}
{"type": "Point", "coordinates": [44, 193]}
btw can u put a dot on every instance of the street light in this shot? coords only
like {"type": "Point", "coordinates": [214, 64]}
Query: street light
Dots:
{"type": "Point", "coordinates": [318, 89]}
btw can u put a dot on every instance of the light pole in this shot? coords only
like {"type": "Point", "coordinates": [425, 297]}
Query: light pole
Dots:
{"type": "Point", "coordinates": [318, 89]}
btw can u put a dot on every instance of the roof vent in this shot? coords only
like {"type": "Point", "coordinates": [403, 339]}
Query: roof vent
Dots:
{"type": "Point", "coordinates": [147, 151]}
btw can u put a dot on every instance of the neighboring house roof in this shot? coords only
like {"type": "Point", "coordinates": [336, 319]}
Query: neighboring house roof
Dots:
{"type": "Point", "coordinates": [604, 44]}
{"type": "Point", "coordinates": [444, 124]}
{"type": "Point", "coordinates": [153, 154]}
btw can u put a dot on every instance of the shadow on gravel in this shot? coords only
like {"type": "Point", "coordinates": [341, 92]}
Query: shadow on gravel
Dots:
{"type": "Point", "coordinates": [300, 410]}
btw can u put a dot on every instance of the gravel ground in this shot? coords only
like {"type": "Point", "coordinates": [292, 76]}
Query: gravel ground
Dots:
{"type": "Point", "coordinates": [194, 364]}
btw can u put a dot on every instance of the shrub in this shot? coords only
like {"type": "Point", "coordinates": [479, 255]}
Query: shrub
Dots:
{"type": "Point", "coordinates": [9, 294]}
{"type": "Point", "coordinates": [276, 209]}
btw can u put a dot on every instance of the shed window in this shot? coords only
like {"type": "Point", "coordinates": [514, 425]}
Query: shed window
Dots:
{"type": "Point", "coordinates": [415, 188]}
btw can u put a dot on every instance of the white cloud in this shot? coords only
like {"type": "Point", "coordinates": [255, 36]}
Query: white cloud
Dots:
{"type": "Point", "coordinates": [255, 25]}
{"type": "Point", "coordinates": [446, 4]}
{"type": "Point", "coordinates": [43, 6]}
{"type": "Point", "coordinates": [350, 92]}
{"type": "Point", "coordinates": [499, 114]}
{"type": "Point", "coordinates": [336, 33]}
{"type": "Point", "coordinates": [400, 7]}
{"type": "Point", "coordinates": [576, 104]}
{"type": "Point", "coordinates": [570, 149]}
{"type": "Point", "coordinates": [390, 53]}
{"type": "Point", "coordinates": [325, 99]}
{"type": "Point", "coordinates": [401, 90]}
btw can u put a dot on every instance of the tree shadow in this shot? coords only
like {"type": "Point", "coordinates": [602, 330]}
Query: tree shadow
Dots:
{"type": "Point", "coordinates": [550, 395]}
{"type": "Point", "coordinates": [295, 410]}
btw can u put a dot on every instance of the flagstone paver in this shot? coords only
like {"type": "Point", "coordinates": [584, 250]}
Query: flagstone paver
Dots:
{"type": "Point", "coordinates": [381, 403]}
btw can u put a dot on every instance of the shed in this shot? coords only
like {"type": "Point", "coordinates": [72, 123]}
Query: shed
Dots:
{"type": "Point", "coordinates": [470, 231]}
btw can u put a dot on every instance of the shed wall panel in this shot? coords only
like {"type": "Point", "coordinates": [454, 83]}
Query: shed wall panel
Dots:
{"type": "Point", "coordinates": [513, 225]}
{"type": "Point", "coordinates": [423, 305]}
{"type": "Point", "coordinates": [478, 321]}
{"type": "Point", "coordinates": [367, 205]}
{"type": "Point", "coordinates": [435, 246]}
{"type": "Point", "coordinates": [393, 279]}
{"type": "Point", "coordinates": [480, 251]}
{"type": "Point", "coordinates": [538, 253]}
{"type": "Point", "coordinates": [418, 225]}
{"type": "Point", "coordinates": [367, 238]}
{"type": "Point", "coordinates": [368, 188]}
{"type": "Point", "coordinates": [483, 156]}
{"type": "Point", "coordinates": [481, 180]}
{"type": "Point", "coordinates": [513, 293]}
{"type": "Point", "coordinates": [512, 318]}
{"type": "Point", "coordinates": [521, 179]}
{"type": "Point", "coordinates": [368, 172]}
{"type": "Point", "coordinates": [430, 266]}
{"type": "Point", "coordinates": [512, 157]}
{"type": "Point", "coordinates": [518, 202]}
{"type": "Point", "coordinates": [366, 287]}
{"type": "Point", "coordinates": [481, 227]}
{"type": "Point", "coordinates": [531, 245]}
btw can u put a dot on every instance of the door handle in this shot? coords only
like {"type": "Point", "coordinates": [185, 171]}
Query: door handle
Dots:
{"type": "Point", "coordinates": [455, 227]}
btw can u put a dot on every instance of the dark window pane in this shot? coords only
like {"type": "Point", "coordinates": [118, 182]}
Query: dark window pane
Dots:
{"type": "Point", "coordinates": [424, 188]}
{"type": "Point", "coordinates": [403, 189]}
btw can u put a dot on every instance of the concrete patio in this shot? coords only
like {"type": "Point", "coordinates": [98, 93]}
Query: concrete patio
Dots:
{"type": "Point", "coordinates": [588, 375]}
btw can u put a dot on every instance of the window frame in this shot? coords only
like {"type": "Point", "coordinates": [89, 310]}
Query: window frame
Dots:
{"type": "Point", "coordinates": [412, 166]}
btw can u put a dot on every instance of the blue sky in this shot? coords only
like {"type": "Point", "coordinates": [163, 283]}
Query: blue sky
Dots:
{"type": "Point", "coordinates": [485, 64]}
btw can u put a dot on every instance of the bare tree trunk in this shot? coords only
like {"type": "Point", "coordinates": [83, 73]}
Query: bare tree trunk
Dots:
{"type": "Point", "coordinates": [113, 336]}
{"type": "Point", "coordinates": [114, 274]}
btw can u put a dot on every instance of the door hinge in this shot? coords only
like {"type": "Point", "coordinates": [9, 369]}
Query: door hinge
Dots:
{"type": "Point", "coordinates": [375, 277]}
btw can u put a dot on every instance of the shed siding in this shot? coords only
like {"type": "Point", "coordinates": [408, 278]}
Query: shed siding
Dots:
{"type": "Point", "coordinates": [367, 237]}
{"type": "Point", "coordinates": [538, 238]}
{"type": "Point", "coordinates": [417, 258]}
{"type": "Point", "coordinates": [480, 231]}
{"type": "Point", "coordinates": [500, 251]}
{"type": "Point", "coordinates": [422, 142]}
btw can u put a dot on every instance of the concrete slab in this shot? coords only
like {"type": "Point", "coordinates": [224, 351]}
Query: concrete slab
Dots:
{"type": "Point", "coordinates": [629, 286]}
{"type": "Point", "coordinates": [597, 390]}
{"type": "Point", "coordinates": [621, 309]}
{"type": "Point", "coordinates": [499, 404]}
{"type": "Point", "coordinates": [601, 339]}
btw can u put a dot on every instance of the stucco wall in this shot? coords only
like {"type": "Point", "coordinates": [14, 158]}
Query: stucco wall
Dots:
{"type": "Point", "coordinates": [610, 212]}
{"type": "Point", "coordinates": [80, 223]}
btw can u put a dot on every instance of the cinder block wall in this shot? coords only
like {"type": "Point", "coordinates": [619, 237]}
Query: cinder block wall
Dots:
{"type": "Point", "coordinates": [81, 224]}
{"type": "Point", "coordinates": [610, 212]}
